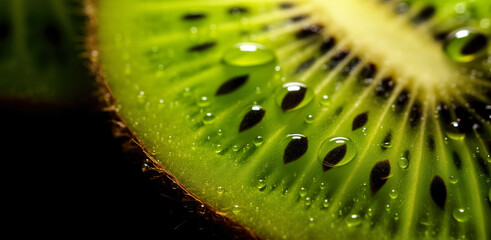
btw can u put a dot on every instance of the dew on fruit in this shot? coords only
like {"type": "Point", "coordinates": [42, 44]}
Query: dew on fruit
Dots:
{"type": "Point", "coordinates": [453, 179]}
{"type": "Point", "coordinates": [293, 95]}
{"type": "Point", "coordinates": [203, 101]}
{"type": "Point", "coordinates": [325, 203]}
{"type": "Point", "coordinates": [308, 201]}
{"type": "Point", "coordinates": [261, 184]}
{"type": "Point", "coordinates": [453, 131]}
{"type": "Point", "coordinates": [403, 162]}
{"type": "Point", "coordinates": [465, 45]}
{"type": "Point", "coordinates": [258, 141]}
{"type": "Point", "coordinates": [353, 220]}
{"type": "Point", "coordinates": [336, 152]}
{"type": "Point", "coordinates": [325, 101]}
{"type": "Point", "coordinates": [323, 186]}
{"type": "Point", "coordinates": [248, 55]}
{"type": "Point", "coordinates": [220, 190]}
{"type": "Point", "coordinates": [461, 215]}
{"type": "Point", "coordinates": [235, 148]}
{"type": "Point", "coordinates": [309, 118]}
{"type": "Point", "coordinates": [218, 149]}
{"type": "Point", "coordinates": [252, 118]}
{"type": "Point", "coordinates": [209, 118]}
{"type": "Point", "coordinates": [393, 194]}
{"type": "Point", "coordinates": [379, 175]}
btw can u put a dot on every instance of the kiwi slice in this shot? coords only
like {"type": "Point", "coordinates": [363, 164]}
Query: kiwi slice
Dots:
{"type": "Point", "coordinates": [40, 51]}
{"type": "Point", "coordinates": [310, 119]}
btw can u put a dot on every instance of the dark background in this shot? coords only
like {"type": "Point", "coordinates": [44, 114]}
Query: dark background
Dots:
{"type": "Point", "coordinates": [64, 172]}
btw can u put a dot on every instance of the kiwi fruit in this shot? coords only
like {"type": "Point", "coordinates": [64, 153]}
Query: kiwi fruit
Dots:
{"type": "Point", "coordinates": [41, 46]}
{"type": "Point", "coordinates": [309, 119]}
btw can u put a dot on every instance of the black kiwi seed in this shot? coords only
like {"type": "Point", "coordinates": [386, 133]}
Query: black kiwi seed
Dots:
{"type": "Point", "coordinates": [299, 18]}
{"type": "Point", "coordinates": [402, 99]}
{"type": "Point", "coordinates": [237, 10]}
{"type": "Point", "coordinates": [378, 176]}
{"type": "Point", "coordinates": [474, 45]}
{"type": "Point", "coordinates": [424, 15]}
{"type": "Point", "coordinates": [313, 29]}
{"type": "Point", "coordinates": [333, 157]}
{"type": "Point", "coordinates": [253, 117]}
{"type": "Point", "coordinates": [337, 58]}
{"type": "Point", "coordinates": [438, 191]}
{"type": "Point", "coordinates": [387, 142]}
{"type": "Point", "coordinates": [202, 47]}
{"type": "Point", "coordinates": [384, 87]}
{"type": "Point", "coordinates": [232, 85]}
{"type": "Point", "coordinates": [293, 99]}
{"type": "Point", "coordinates": [327, 45]}
{"type": "Point", "coordinates": [367, 74]}
{"type": "Point", "coordinates": [431, 143]}
{"type": "Point", "coordinates": [295, 149]}
{"type": "Point", "coordinates": [456, 160]}
{"type": "Point", "coordinates": [305, 65]}
{"type": "Point", "coordinates": [193, 16]}
{"type": "Point", "coordinates": [359, 121]}
{"type": "Point", "coordinates": [286, 5]}
{"type": "Point", "coordinates": [350, 66]}
{"type": "Point", "coordinates": [415, 114]}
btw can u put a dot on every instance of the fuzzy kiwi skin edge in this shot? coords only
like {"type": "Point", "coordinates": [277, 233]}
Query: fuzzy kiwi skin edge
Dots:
{"type": "Point", "coordinates": [134, 147]}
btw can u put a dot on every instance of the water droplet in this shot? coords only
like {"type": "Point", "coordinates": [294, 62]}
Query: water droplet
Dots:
{"type": "Point", "coordinates": [220, 190]}
{"type": "Point", "coordinates": [325, 101]}
{"type": "Point", "coordinates": [489, 158]}
{"type": "Point", "coordinates": [302, 192]}
{"type": "Point", "coordinates": [293, 95]}
{"type": "Point", "coordinates": [453, 131]}
{"type": "Point", "coordinates": [460, 215]}
{"type": "Point", "coordinates": [323, 186]}
{"type": "Point", "coordinates": [370, 212]}
{"type": "Point", "coordinates": [465, 45]}
{"type": "Point", "coordinates": [258, 141]}
{"type": "Point", "coordinates": [386, 145]}
{"type": "Point", "coordinates": [393, 194]}
{"type": "Point", "coordinates": [311, 221]}
{"type": "Point", "coordinates": [353, 220]}
{"type": "Point", "coordinates": [236, 209]}
{"type": "Point", "coordinates": [396, 216]}
{"type": "Point", "coordinates": [403, 162]}
{"type": "Point", "coordinates": [453, 179]}
{"type": "Point", "coordinates": [309, 118]}
{"type": "Point", "coordinates": [308, 201]}
{"type": "Point", "coordinates": [328, 153]}
{"type": "Point", "coordinates": [235, 148]}
{"type": "Point", "coordinates": [248, 55]}
{"type": "Point", "coordinates": [220, 132]}
{"type": "Point", "coordinates": [261, 184]}
{"type": "Point", "coordinates": [325, 203]}
{"type": "Point", "coordinates": [387, 207]}
{"type": "Point", "coordinates": [209, 118]}
{"type": "Point", "coordinates": [203, 101]}
{"type": "Point", "coordinates": [218, 149]}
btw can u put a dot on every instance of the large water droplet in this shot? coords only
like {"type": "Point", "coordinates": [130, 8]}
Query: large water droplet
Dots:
{"type": "Point", "coordinates": [337, 151]}
{"type": "Point", "coordinates": [403, 162]}
{"type": "Point", "coordinates": [460, 215]}
{"type": "Point", "coordinates": [465, 45]}
{"type": "Point", "coordinates": [258, 141]}
{"type": "Point", "coordinates": [293, 95]}
{"type": "Point", "coordinates": [393, 194]}
{"type": "Point", "coordinates": [353, 220]}
{"type": "Point", "coordinates": [248, 55]}
{"type": "Point", "coordinates": [453, 131]}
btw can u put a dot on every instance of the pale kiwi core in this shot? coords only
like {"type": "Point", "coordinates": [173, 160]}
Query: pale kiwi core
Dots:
{"type": "Point", "coordinates": [429, 66]}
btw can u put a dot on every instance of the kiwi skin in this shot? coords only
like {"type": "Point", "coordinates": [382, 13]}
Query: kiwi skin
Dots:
{"type": "Point", "coordinates": [139, 155]}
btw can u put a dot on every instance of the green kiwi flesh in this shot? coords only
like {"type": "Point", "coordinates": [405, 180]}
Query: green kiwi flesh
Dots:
{"type": "Point", "coordinates": [312, 119]}
{"type": "Point", "coordinates": [40, 60]}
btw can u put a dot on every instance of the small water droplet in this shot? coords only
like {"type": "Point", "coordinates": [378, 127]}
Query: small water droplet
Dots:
{"type": "Point", "coordinates": [220, 190]}
{"type": "Point", "coordinates": [236, 209]}
{"type": "Point", "coordinates": [308, 201]}
{"type": "Point", "coordinates": [336, 160]}
{"type": "Point", "coordinates": [460, 215]}
{"type": "Point", "coordinates": [453, 179]}
{"type": "Point", "coordinates": [323, 186]}
{"type": "Point", "coordinates": [403, 162]}
{"type": "Point", "coordinates": [370, 212]}
{"type": "Point", "coordinates": [209, 118]}
{"type": "Point", "coordinates": [393, 194]}
{"type": "Point", "coordinates": [353, 220]}
{"type": "Point", "coordinates": [453, 131]}
{"type": "Point", "coordinates": [248, 55]}
{"type": "Point", "coordinates": [325, 203]}
{"type": "Point", "coordinates": [235, 148]}
{"type": "Point", "coordinates": [311, 221]}
{"type": "Point", "coordinates": [258, 141]}
{"type": "Point", "coordinates": [220, 132]}
{"type": "Point", "coordinates": [489, 158]}
{"type": "Point", "coordinates": [203, 101]}
{"type": "Point", "coordinates": [386, 145]}
{"type": "Point", "coordinates": [218, 149]}
{"type": "Point", "coordinates": [396, 216]}
{"type": "Point", "coordinates": [465, 45]}
{"type": "Point", "coordinates": [387, 207]}
{"type": "Point", "coordinates": [261, 184]}
{"type": "Point", "coordinates": [309, 118]}
{"type": "Point", "coordinates": [302, 192]}
{"type": "Point", "coordinates": [325, 101]}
